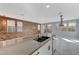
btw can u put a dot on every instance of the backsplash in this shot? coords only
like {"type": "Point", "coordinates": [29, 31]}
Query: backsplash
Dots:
{"type": "Point", "coordinates": [29, 30]}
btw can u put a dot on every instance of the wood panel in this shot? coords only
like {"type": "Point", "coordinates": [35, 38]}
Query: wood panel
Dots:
{"type": "Point", "coordinates": [3, 24]}
{"type": "Point", "coordinates": [29, 29]}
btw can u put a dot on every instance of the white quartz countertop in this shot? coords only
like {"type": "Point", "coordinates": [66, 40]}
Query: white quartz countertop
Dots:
{"type": "Point", "coordinates": [23, 48]}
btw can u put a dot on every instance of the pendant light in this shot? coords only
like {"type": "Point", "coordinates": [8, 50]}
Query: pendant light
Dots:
{"type": "Point", "coordinates": [61, 19]}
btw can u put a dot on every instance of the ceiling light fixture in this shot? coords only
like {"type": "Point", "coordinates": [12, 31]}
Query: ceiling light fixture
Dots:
{"type": "Point", "coordinates": [47, 6]}
{"type": "Point", "coordinates": [61, 19]}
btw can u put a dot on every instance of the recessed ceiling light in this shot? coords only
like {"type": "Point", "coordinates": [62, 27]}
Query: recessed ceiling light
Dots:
{"type": "Point", "coordinates": [47, 6]}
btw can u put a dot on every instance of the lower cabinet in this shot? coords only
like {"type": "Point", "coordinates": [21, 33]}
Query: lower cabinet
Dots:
{"type": "Point", "coordinates": [45, 49]}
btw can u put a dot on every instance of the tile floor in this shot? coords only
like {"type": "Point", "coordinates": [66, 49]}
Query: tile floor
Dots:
{"type": "Point", "coordinates": [66, 46]}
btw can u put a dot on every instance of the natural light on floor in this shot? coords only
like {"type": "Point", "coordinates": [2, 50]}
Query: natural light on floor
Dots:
{"type": "Point", "coordinates": [72, 41]}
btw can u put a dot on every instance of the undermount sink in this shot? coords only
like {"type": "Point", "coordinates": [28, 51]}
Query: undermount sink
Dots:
{"type": "Point", "coordinates": [45, 37]}
{"type": "Point", "coordinates": [41, 39]}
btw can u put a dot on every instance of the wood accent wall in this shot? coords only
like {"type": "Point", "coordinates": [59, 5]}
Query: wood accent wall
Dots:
{"type": "Point", "coordinates": [3, 24]}
{"type": "Point", "coordinates": [29, 29]}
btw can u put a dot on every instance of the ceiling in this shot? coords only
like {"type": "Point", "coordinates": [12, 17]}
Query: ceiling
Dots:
{"type": "Point", "coordinates": [37, 12]}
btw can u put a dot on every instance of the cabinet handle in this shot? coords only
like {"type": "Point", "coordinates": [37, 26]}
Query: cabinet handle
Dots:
{"type": "Point", "coordinates": [37, 53]}
{"type": "Point", "coordinates": [49, 47]}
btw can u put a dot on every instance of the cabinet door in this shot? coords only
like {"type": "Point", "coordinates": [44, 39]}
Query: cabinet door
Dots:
{"type": "Point", "coordinates": [41, 51]}
{"type": "Point", "coordinates": [49, 47]}
{"type": "Point", "coordinates": [55, 45]}
{"type": "Point", "coordinates": [45, 50]}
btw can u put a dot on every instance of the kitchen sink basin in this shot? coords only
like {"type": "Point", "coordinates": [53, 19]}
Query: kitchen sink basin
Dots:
{"type": "Point", "coordinates": [45, 37]}
{"type": "Point", "coordinates": [41, 39]}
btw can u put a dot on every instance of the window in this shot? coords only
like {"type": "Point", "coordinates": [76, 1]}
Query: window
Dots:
{"type": "Point", "coordinates": [49, 28]}
{"type": "Point", "coordinates": [43, 30]}
{"type": "Point", "coordinates": [65, 27]}
{"type": "Point", "coordinates": [10, 26]}
{"type": "Point", "coordinates": [70, 26]}
{"type": "Point", "coordinates": [65, 24]}
{"type": "Point", "coordinates": [39, 28]}
{"type": "Point", "coordinates": [19, 26]}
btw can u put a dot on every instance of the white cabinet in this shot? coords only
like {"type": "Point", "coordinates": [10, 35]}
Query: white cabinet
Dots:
{"type": "Point", "coordinates": [45, 49]}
